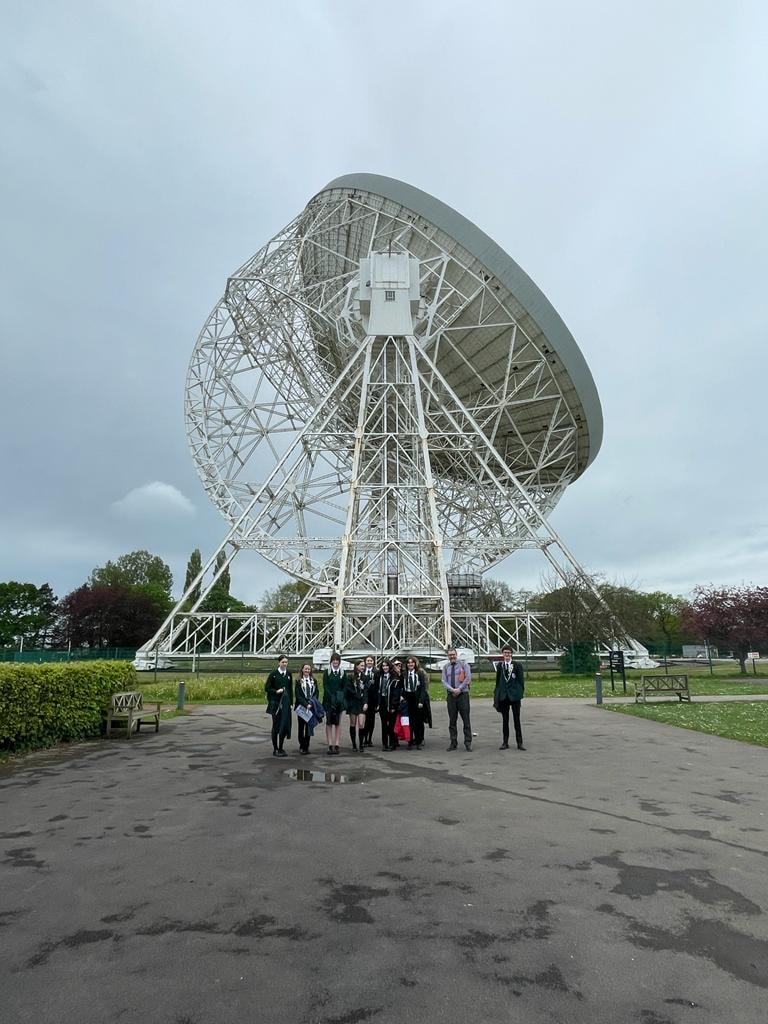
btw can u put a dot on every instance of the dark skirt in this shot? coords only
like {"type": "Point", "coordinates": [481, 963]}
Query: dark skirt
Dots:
{"type": "Point", "coordinates": [355, 705]}
{"type": "Point", "coordinates": [333, 715]}
{"type": "Point", "coordinates": [282, 718]}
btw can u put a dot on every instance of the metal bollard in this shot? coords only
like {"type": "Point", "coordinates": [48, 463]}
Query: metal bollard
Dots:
{"type": "Point", "coordinates": [181, 696]}
{"type": "Point", "coordinates": [598, 688]}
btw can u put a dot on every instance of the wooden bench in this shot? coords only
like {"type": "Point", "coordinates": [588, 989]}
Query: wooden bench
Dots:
{"type": "Point", "coordinates": [655, 685]}
{"type": "Point", "coordinates": [129, 707]}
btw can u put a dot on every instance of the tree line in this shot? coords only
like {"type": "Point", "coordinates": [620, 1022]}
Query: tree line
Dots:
{"type": "Point", "coordinates": [123, 603]}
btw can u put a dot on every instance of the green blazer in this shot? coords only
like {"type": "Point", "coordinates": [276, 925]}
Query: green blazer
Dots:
{"type": "Point", "coordinates": [276, 682]}
{"type": "Point", "coordinates": [333, 689]}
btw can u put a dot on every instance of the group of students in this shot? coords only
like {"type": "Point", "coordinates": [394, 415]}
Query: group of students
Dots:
{"type": "Point", "coordinates": [364, 694]}
{"type": "Point", "coordinates": [390, 692]}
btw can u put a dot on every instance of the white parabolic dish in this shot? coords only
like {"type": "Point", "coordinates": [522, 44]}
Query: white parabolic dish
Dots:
{"type": "Point", "coordinates": [288, 325]}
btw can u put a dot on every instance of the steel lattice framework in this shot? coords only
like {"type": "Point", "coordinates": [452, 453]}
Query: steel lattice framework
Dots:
{"type": "Point", "coordinates": [372, 463]}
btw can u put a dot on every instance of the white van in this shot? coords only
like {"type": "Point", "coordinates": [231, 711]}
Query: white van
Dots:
{"type": "Point", "coordinates": [146, 663]}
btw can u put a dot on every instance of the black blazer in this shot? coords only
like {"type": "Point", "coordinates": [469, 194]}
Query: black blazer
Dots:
{"type": "Point", "coordinates": [355, 693]}
{"type": "Point", "coordinates": [512, 688]}
{"type": "Point", "coordinates": [390, 701]}
{"type": "Point", "coordinates": [420, 693]}
{"type": "Point", "coordinates": [299, 692]}
{"type": "Point", "coordinates": [373, 692]}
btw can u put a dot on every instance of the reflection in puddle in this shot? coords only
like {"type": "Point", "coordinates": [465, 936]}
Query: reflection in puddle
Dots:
{"type": "Point", "coordinates": [251, 739]}
{"type": "Point", "coordinates": [307, 775]}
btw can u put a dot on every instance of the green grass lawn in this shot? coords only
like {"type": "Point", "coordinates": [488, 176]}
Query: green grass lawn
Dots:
{"type": "Point", "coordinates": [746, 720]}
{"type": "Point", "coordinates": [248, 687]}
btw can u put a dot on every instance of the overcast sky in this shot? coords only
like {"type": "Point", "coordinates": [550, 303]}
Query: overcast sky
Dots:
{"type": "Point", "coordinates": [618, 151]}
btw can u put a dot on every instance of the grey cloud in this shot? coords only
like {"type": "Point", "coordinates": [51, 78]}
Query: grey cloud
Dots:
{"type": "Point", "coordinates": [620, 158]}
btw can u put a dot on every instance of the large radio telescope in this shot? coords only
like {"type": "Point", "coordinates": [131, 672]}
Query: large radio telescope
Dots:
{"type": "Point", "coordinates": [382, 404]}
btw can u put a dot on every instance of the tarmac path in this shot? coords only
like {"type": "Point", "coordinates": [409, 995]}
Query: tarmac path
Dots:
{"type": "Point", "coordinates": [615, 871]}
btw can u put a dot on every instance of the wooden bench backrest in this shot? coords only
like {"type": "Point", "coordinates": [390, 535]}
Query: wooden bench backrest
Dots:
{"type": "Point", "coordinates": [676, 682]}
{"type": "Point", "coordinates": [130, 700]}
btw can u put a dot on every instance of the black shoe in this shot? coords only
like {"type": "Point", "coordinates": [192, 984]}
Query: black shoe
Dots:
{"type": "Point", "coordinates": [504, 746]}
{"type": "Point", "coordinates": [452, 747]}
{"type": "Point", "coordinates": [336, 750]}
{"type": "Point", "coordinates": [302, 751]}
{"type": "Point", "coordinates": [330, 750]}
{"type": "Point", "coordinates": [468, 747]}
{"type": "Point", "coordinates": [520, 746]}
{"type": "Point", "coordinates": [274, 753]}
{"type": "Point", "coordinates": [281, 753]}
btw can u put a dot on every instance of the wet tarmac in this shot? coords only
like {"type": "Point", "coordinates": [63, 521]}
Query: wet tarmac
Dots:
{"type": "Point", "coordinates": [614, 871]}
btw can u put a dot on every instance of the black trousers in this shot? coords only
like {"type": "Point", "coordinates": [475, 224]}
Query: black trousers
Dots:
{"type": "Point", "coordinates": [370, 722]}
{"type": "Point", "coordinates": [416, 716]}
{"type": "Point", "coordinates": [459, 706]}
{"type": "Point", "coordinates": [304, 736]}
{"type": "Point", "coordinates": [388, 738]}
{"type": "Point", "coordinates": [504, 706]}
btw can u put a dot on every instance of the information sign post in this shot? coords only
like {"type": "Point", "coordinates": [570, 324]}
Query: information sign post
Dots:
{"type": "Point", "coordinates": [616, 662]}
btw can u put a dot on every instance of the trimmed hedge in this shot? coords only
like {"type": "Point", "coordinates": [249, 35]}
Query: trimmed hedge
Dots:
{"type": "Point", "coordinates": [41, 705]}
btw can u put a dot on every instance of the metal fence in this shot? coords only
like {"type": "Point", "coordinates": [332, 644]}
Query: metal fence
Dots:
{"type": "Point", "coordinates": [659, 650]}
{"type": "Point", "coordinates": [76, 654]}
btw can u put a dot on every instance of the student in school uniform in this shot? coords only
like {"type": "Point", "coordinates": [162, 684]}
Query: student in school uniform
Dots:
{"type": "Point", "coordinates": [306, 692]}
{"type": "Point", "coordinates": [415, 690]}
{"type": "Point", "coordinates": [356, 699]}
{"type": "Point", "coordinates": [390, 695]}
{"type": "Point", "coordinates": [279, 691]}
{"type": "Point", "coordinates": [508, 696]}
{"type": "Point", "coordinates": [372, 682]}
{"type": "Point", "coordinates": [334, 681]}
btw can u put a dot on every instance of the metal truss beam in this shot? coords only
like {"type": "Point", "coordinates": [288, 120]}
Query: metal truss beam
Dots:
{"type": "Point", "coordinates": [394, 627]}
{"type": "Point", "coordinates": [370, 465]}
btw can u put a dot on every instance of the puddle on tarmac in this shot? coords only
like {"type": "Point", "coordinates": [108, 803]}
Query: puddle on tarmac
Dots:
{"type": "Point", "coordinates": [307, 775]}
{"type": "Point", "coordinates": [252, 739]}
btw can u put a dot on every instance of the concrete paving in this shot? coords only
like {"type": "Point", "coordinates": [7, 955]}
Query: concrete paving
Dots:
{"type": "Point", "coordinates": [613, 872]}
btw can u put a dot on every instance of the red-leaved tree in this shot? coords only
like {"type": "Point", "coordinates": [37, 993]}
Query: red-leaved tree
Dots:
{"type": "Point", "coordinates": [101, 616]}
{"type": "Point", "coordinates": [735, 617]}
